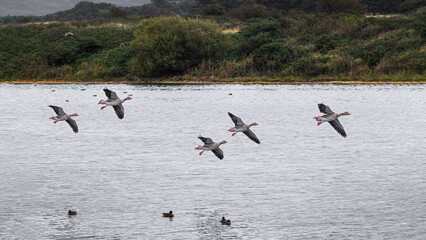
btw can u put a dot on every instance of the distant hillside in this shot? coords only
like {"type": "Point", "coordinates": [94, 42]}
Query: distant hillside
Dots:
{"type": "Point", "coordinates": [92, 11]}
{"type": "Point", "coordinates": [230, 8]}
{"type": "Point", "coordinates": [81, 11]}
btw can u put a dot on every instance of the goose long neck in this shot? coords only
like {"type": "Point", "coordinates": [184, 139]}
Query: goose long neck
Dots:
{"type": "Point", "coordinates": [125, 99]}
{"type": "Point", "coordinates": [252, 124]}
{"type": "Point", "coordinates": [342, 114]}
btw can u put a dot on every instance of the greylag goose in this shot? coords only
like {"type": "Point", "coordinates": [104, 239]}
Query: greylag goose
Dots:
{"type": "Point", "coordinates": [210, 145]}
{"type": "Point", "coordinates": [62, 116]}
{"type": "Point", "coordinates": [115, 102]}
{"type": "Point", "coordinates": [240, 126]}
{"type": "Point", "coordinates": [169, 214]}
{"type": "Point", "coordinates": [332, 118]}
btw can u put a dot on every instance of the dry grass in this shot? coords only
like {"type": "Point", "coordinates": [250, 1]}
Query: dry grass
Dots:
{"type": "Point", "coordinates": [385, 15]}
{"type": "Point", "coordinates": [231, 30]}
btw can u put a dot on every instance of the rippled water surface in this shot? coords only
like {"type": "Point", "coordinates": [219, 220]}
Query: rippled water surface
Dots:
{"type": "Point", "coordinates": [301, 182]}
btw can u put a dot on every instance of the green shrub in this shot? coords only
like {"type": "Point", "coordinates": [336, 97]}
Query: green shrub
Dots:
{"type": "Point", "coordinates": [354, 49]}
{"type": "Point", "coordinates": [259, 34]}
{"type": "Point", "coordinates": [421, 24]}
{"type": "Point", "coordinates": [172, 45]}
{"type": "Point", "coordinates": [341, 6]}
{"type": "Point", "coordinates": [390, 44]}
{"type": "Point", "coordinates": [340, 64]}
{"type": "Point", "coordinates": [374, 51]}
{"type": "Point", "coordinates": [115, 61]}
{"type": "Point", "coordinates": [272, 56]}
{"type": "Point", "coordinates": [66, 52]}
{"type": "Point", "coordinates": [214, 10]}
{"type": "Point", "coordinates": [410, 5]}
{"type": "Point", "coordinates": [349, 27]}
{"type": "Point", "coordinates": [409, 62]}
{"type": "Point", "coordinates": [312, 65]}
{"type": "Point", "coordinates": [325, 43]}
{"type": "Point", "coordinates": [249, 11]}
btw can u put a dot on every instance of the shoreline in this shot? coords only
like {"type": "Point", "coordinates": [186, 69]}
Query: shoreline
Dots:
{"type": "Point", "coordinates": [240, 81]}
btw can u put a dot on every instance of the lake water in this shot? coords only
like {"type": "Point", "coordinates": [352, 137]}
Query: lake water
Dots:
{"type": "Point", "coordinates": [302, 182]}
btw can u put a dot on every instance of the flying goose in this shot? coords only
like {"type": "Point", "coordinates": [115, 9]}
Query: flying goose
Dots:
{"type": "Point", "coordinates": [115, 102]}
{"type": "Point", "coordinates": [210, 145]}
{"type": "Point", "coordinates": [240, 126]}
{"type": "Point", "coordinates": [332, 118]}
{"type": "Point", "coordinates": [62, 116]}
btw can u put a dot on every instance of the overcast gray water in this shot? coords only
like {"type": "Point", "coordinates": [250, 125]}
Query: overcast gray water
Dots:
{"type": "Point", "coordinates": [302, 182]}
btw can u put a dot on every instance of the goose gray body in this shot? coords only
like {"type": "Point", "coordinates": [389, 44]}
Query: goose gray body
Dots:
{"type": "Point", "coordinates": [62, 116]}
{"type": "Point", "coordinates": [114, 101]}
{"type": "Point", "coordinates": [240, 126]}
{"type": "Point", "coordinates": [209, 145]}
{"type": "Point", "coordinates": [332, 118]}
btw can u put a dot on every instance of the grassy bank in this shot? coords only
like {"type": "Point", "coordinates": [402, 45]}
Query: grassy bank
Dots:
{"type": "Point", "coordinates": [298, 48]}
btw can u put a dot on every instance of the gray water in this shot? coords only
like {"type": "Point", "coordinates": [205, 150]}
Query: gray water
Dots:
{"type": "Point", "coordinates": [302, 182]}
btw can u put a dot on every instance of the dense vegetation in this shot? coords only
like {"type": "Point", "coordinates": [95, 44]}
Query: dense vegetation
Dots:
{"type": "Point", "coordinates": [231, 8]}
{"type": "Point", "coordinates": [261, 44]}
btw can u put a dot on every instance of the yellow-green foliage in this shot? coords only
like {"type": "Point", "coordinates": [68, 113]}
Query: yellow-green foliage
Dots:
{"type": "Point", "coordinates": [172, 45]}
{"type": "Point", "coordinates": [298, 46]}
{"type": "Point", "coordinates": [42, 51]}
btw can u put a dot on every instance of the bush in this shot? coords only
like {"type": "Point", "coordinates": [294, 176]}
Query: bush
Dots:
{"type": "Point", "coordinates": [341, 6]}
{"type": "Point", "coordinates": [349, 27]}
{"type": "Point", "coordinates": [312, 65]}
{"type": "Point", "coordinates": [410, 5]}
{"type": "Point", "coordinates": [258, 35]}
{"type": "Point", "coordinates": [374, 51]}
{"type": "Point", "coordinates": [408, 62]}
{"type": "Point", "coordinates": [115, 61]}
{"type": "Point", "coordinates": [325, 43]}
{"type": "Point", "coordinates": [272, 56]}
{"type": "Point", "coordinates": [214, 10]}
{"type": "Point", "coordinates": [172, 45]}
{"type": "Point", "coordinates": [389, 45]}
{"type": "Point", "coordinates": [249, 11]}
{"type": "Point", "coordinates": [68, 51]}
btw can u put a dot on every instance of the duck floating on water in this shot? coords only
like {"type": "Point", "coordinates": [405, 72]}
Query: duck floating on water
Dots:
{"type": "Point", "coordinates": [169, 214]}
{"type": "Point", "coordinates": [72, 213]}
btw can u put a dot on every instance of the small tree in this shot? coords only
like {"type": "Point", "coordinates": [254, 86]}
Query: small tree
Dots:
{"type": "Point", "coordinates": [172, 45]}
{"type": "Point", "coordinates": [115, 11]}
{"type": "Point", "coordinates": [272, 56]}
